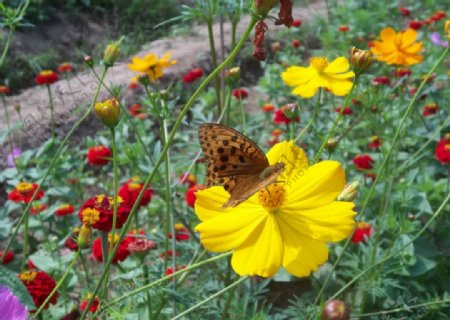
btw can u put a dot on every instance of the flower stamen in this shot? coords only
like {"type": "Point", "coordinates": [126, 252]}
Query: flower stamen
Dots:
{"type": "Point", "coordinates": [272, 197]}
{"type": "Point", "coordinates": [319, 63]}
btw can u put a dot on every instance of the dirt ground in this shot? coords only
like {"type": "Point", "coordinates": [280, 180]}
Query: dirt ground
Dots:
{"type": "Point", "coordinates": [189, 50]}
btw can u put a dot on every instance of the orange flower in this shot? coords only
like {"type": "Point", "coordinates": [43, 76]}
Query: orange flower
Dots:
{"type": "Point", "coordinates": [46, 77]}
{"type": "Point", "coordinates": [398, 48]}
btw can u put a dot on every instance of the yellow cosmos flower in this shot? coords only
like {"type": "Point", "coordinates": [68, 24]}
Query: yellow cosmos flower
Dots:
{"type": "Point", "coordinates": [320, 74]}
{"type": "Point", "coordinates": [286, 224]}
{"type": "Point", "coordinates": [151, 65]}
{"type": "Point", "coordinates": [398, 48]}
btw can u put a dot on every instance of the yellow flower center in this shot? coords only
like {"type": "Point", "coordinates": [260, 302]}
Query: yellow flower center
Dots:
{"type": "Point", "coordinates": [134, 186]}
{"type": "Point", "coordinates": [447, 147]}
{"type": "Point", "coordinates": [24, 187]}
{"type": "Point", "coordinates": [319, 63]}
{"type": "Point", "coordinates": [178, 226]}
{"type": "Point", "coordinates": [447, 136]}
{"type": "Point", "coordinates": [135, 179]}
{"type": "Point", "coordinates": [272, 197]}
{"type": "Point", "coordinates": [27, 276]}
{"type": "Point", "coordinates": [116, 238]}
{"type": "Point", "coordinates": [90, 216]}
{"type": "Point", "coordinates": [64, 206]}
{"type": "Point", "coordinates": [105, 202]}
{"type": "Point", "coordinates": [46, 73]}
{"type": "Point", "coordinates": [363, 226]}
{"type": "Point", "coordinates": [374, 138]}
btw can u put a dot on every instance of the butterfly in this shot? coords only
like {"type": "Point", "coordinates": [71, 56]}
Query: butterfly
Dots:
{"type": "Point", "coordinates": [235, 162]}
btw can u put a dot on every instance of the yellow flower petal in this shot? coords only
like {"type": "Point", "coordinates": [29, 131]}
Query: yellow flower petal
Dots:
{"type": "Point", "coordinates": [227, 231]}
{"type": "Point", "coordinates": [295, 76]}
{"type": "Point", "coordinates": [331, 222]}
{"type": "Point", "coordinates": [338, 65]}
{"type": "Point", "coordinates": [292, 156]}
{"type": "Point", "coordinates": [306, 90]}
{"type": "Point", "coordinates": [408, 37]}
{"type": "Point", "coordinates": [339, 87]}
{"type": "Point", "coordinates": [315, 186]}
{"type": "Point", "coordinates": [262, 252]}
{"type": "Point", "coordinates": [388, 35]}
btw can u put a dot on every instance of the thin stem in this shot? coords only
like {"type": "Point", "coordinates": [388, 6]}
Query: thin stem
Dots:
{"type": "Point", "coordinates": [53, 162]}
{"type": "Point", "coordinates": [311, 120]}
{"type": "Point", "coordinates": [25, 243]}
{"type": "Point", "coordinates": [176, 125]}
{"type": "Point", "coordinates": [147, 280]}
{"type": "Point", "coordinates": [85, 270]}
{"type": "Point", "coordinates": [8, 125]}
{"type": "Point", "coordinates": [12, 29]}
{"type": "Point", "coordinates": [230, 287]}
{"type": "Point", "coordinates": [52, 111]}
{"type": "Point", "coordinates": [212, 47]}
{"type": "Point", "coordinates": [58, 285]}
{"type": "Point", "coordinates": [105, 256]}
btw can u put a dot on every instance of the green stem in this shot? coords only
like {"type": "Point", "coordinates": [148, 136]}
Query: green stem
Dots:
{"type": "Point", "coordinates": [105, 256]}
{"type": "Point", "coordinates": [58, 285]}
{"type": "Point", "coordinates": [25, 243]}
{"type": "Point", "coordinates": [383, 165]}
{"type": "Point", "coordinates": [8, 125]}
{"type": "Point", "coordinates": [85, 270]}
{"type": "Point", "coordinates": [230, 287]}
{"type": "Point", "coordinates": [53, 162]}
{"type": "Point", "coordinates": [404, 308]}
{"type": "Point", "coordinates": [212, 47]}
{"type": "Point", "coordinates": [241, 106]}
{"type": "Point", "coordinates": [311, 120]}
{"type": "Point", "coordinates": [147, 280]}
{"type": "Point", "coordinates": [52, 111]}
{"type": "Point", "coordinates": [12, 29]}
{"type": "Point", "coordinates": [176, 125]}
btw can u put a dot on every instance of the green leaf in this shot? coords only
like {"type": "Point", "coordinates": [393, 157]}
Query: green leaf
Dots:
{"type": "Point", "coordinates": [10, 280]}
{"type": "Point", "coordinates": [421, 266]}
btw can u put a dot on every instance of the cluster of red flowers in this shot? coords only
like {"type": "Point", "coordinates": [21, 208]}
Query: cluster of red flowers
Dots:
{"type": "Point", "coordinates": [362, 232]}
{"type": "Point", "coordinates": [94, 306]}
{"type": "Point", "coordinates": [417, 24]}
{"type": "Point", "coordinates": [137, 111]}
{"type": "Point", "coordinates": [130, 190]}
{"type": "Point", "coordinates": [363, 162]}
{"type": "Point", "coordinates": [347, 111]}
{"type": "Point", "coordinates": [240, 93]}
{"type": "Point", "coordinates": [39, 285]}
{"type": "Point", "coordinates": [442, 151]}
{"type": "Point", "coordinates": [193, 75]}
{"type": "Point", "coordinates": [284, 116]}
{"type": "Point", "coordinates": [122, 251]}
{"type": "Point", "coordinates": [430, 109]}
{"type": "Point", "coordinates": [181, 233]}
{"type": "Point", "coordinates": [99, 155]}
{"type": "Point", "coordinates": [401, 72]}
{"type": "Point", "coordinates": [64, 210]}
{"type": "Point", "coordinates": [24, 191]}
{"type": "Point", "coordinates": [381, 80]}
{"type": "Point", "coordinates": [375, 142]}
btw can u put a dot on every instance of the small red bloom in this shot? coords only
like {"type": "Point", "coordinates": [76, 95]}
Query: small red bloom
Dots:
{"type": "Point", "coordinates": [188, 178]}
{"type": "Point", "coordinates": [268, 108]}
{"type": "Point", "coordinates": [137, 111]}
{"type": "Point", "coordinates": [121, 254]}
{"type": "Point", "coordinates": [190, 194]}
{"type": "Point", "coordinates": [273, 141]}
{"type": "Point", "coordinates": [375, 142]}
{"type": "Point", "coordinates": [381, 80]}
{"type": "Point", "coordinates": [7, 258]}
{"type": "Point", "coordinates": [442, 151]}
{"type": "Point", "coordinates": [362, 231]}
{"type": "Point", "coordinates": [193, 75]}
{"type": "Point", "coordinates": [71, 244]}
{"type": "Point", "coordinates": [170, 271]}
{"type": "Point", "coordinates": [415, 25]}
{"type": "Point", "coordinates": [363, 162]}
{"type": "Point", "coordinates": [65, 67]}
{"type": "Point", "coordinates": [4, 89]}
{"type": "Point", "coordinates": [370, 44]}
{"type": "Point", "coordinates": [281, 118]}
{"type": "Point", "coordinates": [24, 191]}
{"type": "Point", "coordinates": [181, 233]}
{"type": "Point", "coordinates": [134, 85]}
{"type": "Point", "coordinates": [404, 11]}
{"type": "Point", "coordinates": [98, 212]}
{"type": "Point", "coordinates": [129, 192]}
{"type": "Point", "coordinates": [402, 72]}
{"type": "Point", "coordinates": [347, 111]}
{"type": "Point", "coordinates": [169, 254]}
{"type": "Point", "coordinates": [240, 93]}
{"type": "Point", "coordinates": [99, 155]}
{"type": "Point", "coordinates": [46, 77]}
{"type": "Point", "coordinates": [64, 210]}
{"type": "Point", "coordinates": [430, 109]}
{"type": "Point", "coordinates": [39, 285]}
{"type": "Point", "coordinates": [94, 306]}
{"type": "Point", "coordinates": [343, 28]}
{"type": "Point", "coordinates": [296, 43]}
{"type": "Point", "coordinates": [37, 208]}
{"type": "Point", "coordinates": [277, 132]}
{"type": "Point", "coordinates": [297, 23]}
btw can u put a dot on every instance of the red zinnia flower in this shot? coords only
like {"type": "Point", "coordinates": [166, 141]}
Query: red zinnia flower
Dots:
{"type": "Point", "coordinates": [24, 191]}
{"type": "Point", "coordinates": [405, 11]}
{"type": "Point", "coordinates": [4, 89]}
{"type": "Point", "coordinates": [193, 75]}
{"type": "Point", "coordinates": [134, 85]}
{"type": "Point", "coordinates": [381, 80]}
{"type": "Point", "coordinates": [65, 67]}
{"type": "Point", "coordinates": [402, 72]}
{"type": "Point", "coordinates": [415, 25]}
{"type": "Point", "coordinates": [71, 243]}
{"type": "Point", "coordinates": [181, 233]}
{"type": "Point", "coordinates": [129, 192]}
{"type": "Point", "coordinates": [363, 161]}
{"type": "Point", "coordinates": [38, 208]}
{"type": "Point", "coordinates": [281, 118]}
{"type": "Point", "coordinates": [343, 28]}
{"type": "Point", "coordinates": [430, 109]}
{"type": "Point", "coordinates": [362, 231]}
{"type": "Point", "coordinates": [442, 151]}
{"type": "Point", "coordinates": [31, 265]}
{"type": "Point", "coordinates": [296, 43]}
{"type": "Point", "coordinates": [98, 212]}
{"type": "Point", "coordinates": [347, 111]}
{"type": "Point", "coordinates": [121, 254]}
{"type": "Point", "coordinates": [94, 306]}
{"type": "Point", "coordinates": [7, 258]}
{"type": "Point", "coordinates": [46, 77]}
{"type": "Point", "coordinates": [98, 155]}
{"type": "Point", "coordinates": [268, 108]}
{"type": "Point", "coordinates": [375, 142]}
{"type": "Point", "coordinates": [190, 197]}
{"type": "Point", "coordinates": [297, 23]}
{"type": "Point", "coordinates": [189, 179]}
{"type": "Point", "coordinates": [240, 93]}
{"type": "Point", "coordinates": [64, 210]}
{"type": "Point", "coordinates": [39, 285]}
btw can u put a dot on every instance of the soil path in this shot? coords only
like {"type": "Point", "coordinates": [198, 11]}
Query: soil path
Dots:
{"type": "Point", "coordinates": [79, 90]}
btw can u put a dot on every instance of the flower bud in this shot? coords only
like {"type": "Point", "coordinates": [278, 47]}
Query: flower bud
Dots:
{"type": "Point", "coordinates": [331, 144]}
{"type": "Point", "coordinates": [111, 53]}
{"type": "Point", "coordinates": [84, 236]}
{"type": "Point", "coordinates": [109, 112]}
{"type": "Point", "coordinates": [374, 109]}
{"type": "Point", "coordinates": [263, 7]}
{"type": "Point", "coordinates": [17, 108]}
{"type": "Point", "coordinates": [89, 61]}
{"type": "Point", "coordinates": [350, 192]}
{"type": "Point", "coordinates": [361, 60]}
{"type": "Point", "coordinates": [335, 310]}
{"type": "Point", "coordinates": [411, 217]}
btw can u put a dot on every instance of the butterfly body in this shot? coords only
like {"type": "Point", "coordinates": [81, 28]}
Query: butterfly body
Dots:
{"type": "Point", "coordinates": [235, 162]}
